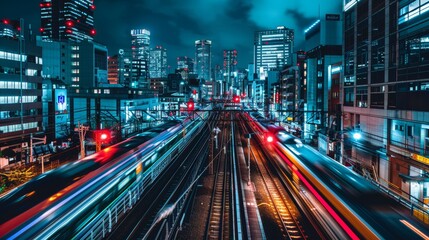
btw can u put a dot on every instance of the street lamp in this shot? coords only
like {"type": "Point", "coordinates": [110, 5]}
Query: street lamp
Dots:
{"type": "Point", "coordinates": [162, 84]}
{"type": "Point", "coordinates": [357, 136]}
{"type": "Point", "coordinates": [216, 131]}
{"type": "Point", "coordinates": [181, 87]}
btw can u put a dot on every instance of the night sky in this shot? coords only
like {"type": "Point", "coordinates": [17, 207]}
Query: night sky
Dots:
{"type": "Point", "coordinates": [176, 24]}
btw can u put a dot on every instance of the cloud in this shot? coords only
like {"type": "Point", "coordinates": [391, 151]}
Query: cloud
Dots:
{"type": "Point", "coordinates": [297, 15]}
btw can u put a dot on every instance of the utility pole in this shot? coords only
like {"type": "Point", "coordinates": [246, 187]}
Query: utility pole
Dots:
{"type": "Point", "coordinates": [43, 141]}
{"type": "Point", "coordinates": [82, 131]}
{"type": "Point", "coordinates": [248, 136]}
{"type": "Point", "coordinates": [216, 130]}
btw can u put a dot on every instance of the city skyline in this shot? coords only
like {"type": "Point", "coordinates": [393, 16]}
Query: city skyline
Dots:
{"type": "Point", "coordinates": [177, 25]}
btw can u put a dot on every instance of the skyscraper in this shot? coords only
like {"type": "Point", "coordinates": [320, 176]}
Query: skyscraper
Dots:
{"type": "Point", "coordinates": [229, 66]}
{"type": "Point", "coordinates": [203, 58]}
{"type": "Point", "coordinates": [185, 63]}
{"type": "Point", "coordinates": [158, 62]}
{"type": "Point", "coordinates": [140, 41]}
{"type": "Point", "coordinates": [67, 20]}
{"type": "Point", "coordinates": [272, 50]}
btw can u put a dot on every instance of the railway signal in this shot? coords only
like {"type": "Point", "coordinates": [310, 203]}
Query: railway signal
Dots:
{"type": "Point", "coordinates": [191, 105]}
{"type": "Point", "coordinates": [100, 137]}
{"type": "Point", "coordinates": [236, 99]}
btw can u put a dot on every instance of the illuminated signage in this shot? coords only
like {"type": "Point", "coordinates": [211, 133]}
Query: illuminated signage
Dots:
{"type": "Point", "coordinates": [419, 158]}
{"type": "Point", "coordinates": [60, 101]}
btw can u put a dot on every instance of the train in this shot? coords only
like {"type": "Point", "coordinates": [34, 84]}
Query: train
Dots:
{"type": "Point", "coordinates": [74, 200]}
{"type": "Point", "coordinates": [361, 209]}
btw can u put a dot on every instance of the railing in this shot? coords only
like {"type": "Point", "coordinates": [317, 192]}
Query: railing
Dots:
{"type": "Point", "coordinates": [417, 208]}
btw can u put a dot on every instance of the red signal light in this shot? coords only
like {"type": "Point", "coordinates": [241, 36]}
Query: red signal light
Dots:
{"type": "Point", "coordinates": [236, 99]}
{"type": "Point", "coordinates": [93, 32]}
{"type": "Point", "coordinates": [69, 23]}
{"type": "Point", "coordinates": [103, 136]}
{"type": "Point", "coordinates": [190, 106]}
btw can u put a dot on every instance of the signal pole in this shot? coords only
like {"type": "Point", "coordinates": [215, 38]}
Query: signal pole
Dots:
{"type": "Point", "coordinates": [248, 136]}
{"type": "Point", "coordinates": [82, 131]}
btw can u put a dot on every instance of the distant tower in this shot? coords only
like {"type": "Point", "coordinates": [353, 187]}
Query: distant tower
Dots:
{"type": "Point", "coordinates": [113, 69]}
{"type": "Point", "coordinates": [67, 20]}
{"type": "Point", "coordinates": [158, 62]}
{"type": "Point", "coordinates": [203, 58]}
{"type": "Point", "coordinates": [140, 40]}
{"type": "Point", "coordinates": [229, 66]}
{"type": "Point", "coordinates": [185, 63]}
{"type": "Point", "coordinates": [273, 50]}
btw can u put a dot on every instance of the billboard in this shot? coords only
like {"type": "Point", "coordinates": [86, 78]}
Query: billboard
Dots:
{"type": "Point", "coordinates": [60, 101]}
{"type": "Point", "coordinates": [61, 113]}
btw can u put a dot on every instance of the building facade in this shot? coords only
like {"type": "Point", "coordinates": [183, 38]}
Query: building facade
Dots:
{"type": "Point", "coordinates": [113, 69]}
{"type": "Point", "coordinates": [67, 20]}
{"type": "Point", "coordinates": [386, 49]}
{"type": "Point", "coordinates": [185, 63]}
{"type": "Point", "coordinates": [203, 57]}
{"type": "Point", "coordinates": [229, 69]}
{"type": "Point", "coordinates": [158, 62]}
{"type": "Point", "coordinates": [272, 50]}
{"type": "Point", "coordinates": [323, 45]}
{"type": "Point", "coordinates": [20, 90]}
{"type": "Point", "coordinates": [140, 50]}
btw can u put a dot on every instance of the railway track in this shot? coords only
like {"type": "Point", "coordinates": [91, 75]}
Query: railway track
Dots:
{"type": "Point", "coordinates": [286, 214]}
{"type": "Point", "coordinates": [218, 223]}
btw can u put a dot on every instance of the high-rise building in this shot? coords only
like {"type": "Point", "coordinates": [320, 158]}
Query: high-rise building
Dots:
{"type": "Point", "coordinates": [9, 28]}
{"type": "Point", "coordinates": [21, 90]}
{"type": "Point", "coordinates": [185, 63]}
{"type": "Point", "coordinates": [158, 62]}
{"type": "Point", "coordinates": [119, 68]}
{"type": "Point", "coordinates": [386, 87]}
{"type": "Point", "coordinates": [272, 50]}
{"type": "Point", "coordinates": [230, 68]}
{"type": "Point", "coordinates": [113, 69]}
{"type": "Point", "coordinates": [323, 48]}
{"type": "Point", "coordinates": [203, 58]}
{"type": "Point", "coordinates": [140, 41]}
{"type": "Point", "coordinates": [67, 20]}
